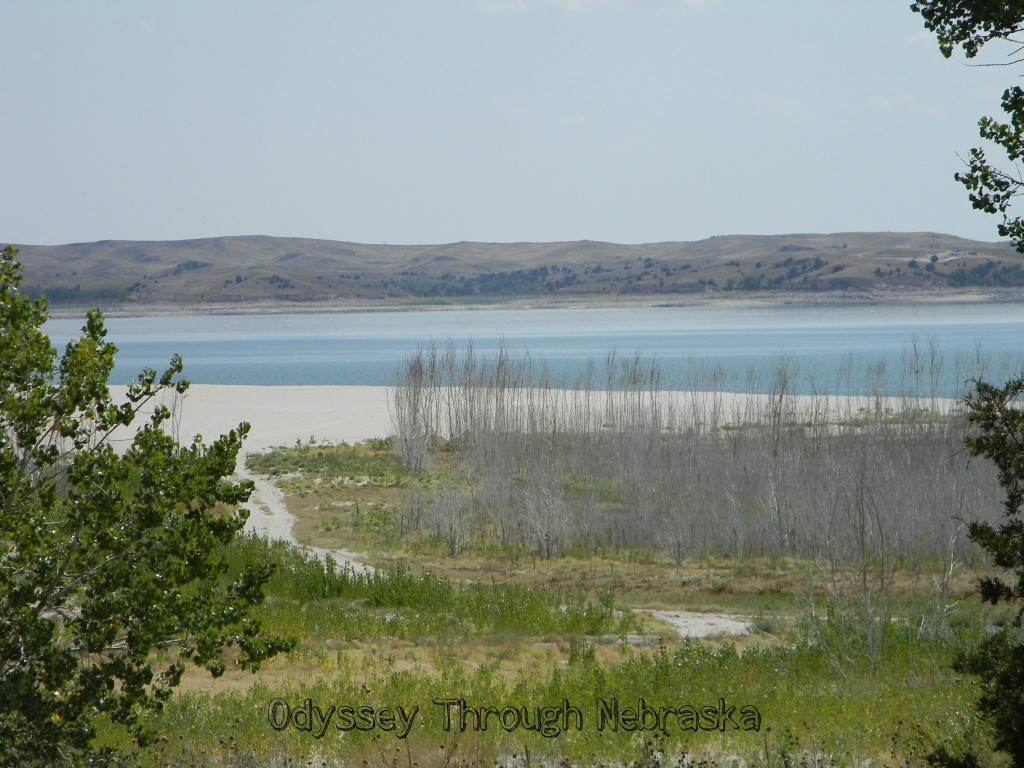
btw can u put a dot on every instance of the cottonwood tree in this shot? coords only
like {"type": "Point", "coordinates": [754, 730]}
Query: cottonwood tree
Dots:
{"type": "Point", "coordinates": [105, 555]}
{"type": "Point", "coordinates": [999, 659]}
{"type": "Point", "coordinates": [970, 25]}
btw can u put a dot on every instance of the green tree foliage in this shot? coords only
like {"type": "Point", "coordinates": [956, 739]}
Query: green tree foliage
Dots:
{"type": "Point", "coordinates": [105, 555]}
{"type": "Point", "coordinates": [970, 25]}
{"type": "Point", "coordinates": [999, 659]}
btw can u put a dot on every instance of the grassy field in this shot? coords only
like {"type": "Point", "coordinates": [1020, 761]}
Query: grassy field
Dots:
{"type": "Point", "coordinates": [820, 697]}
{"type": "Point", "coordinates": [559, 653]}
{"type": "Point", "coordinates": [412, 639]}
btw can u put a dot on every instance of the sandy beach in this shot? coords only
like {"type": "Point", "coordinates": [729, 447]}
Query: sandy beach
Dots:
{"type": "Point", "coordinates": [282, 415]}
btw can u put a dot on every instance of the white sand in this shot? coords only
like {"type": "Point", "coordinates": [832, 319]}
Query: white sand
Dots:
{"type": "Point", "coordinates": [698, 625]}
{"type": "Point", "coordinates": [282, 415]}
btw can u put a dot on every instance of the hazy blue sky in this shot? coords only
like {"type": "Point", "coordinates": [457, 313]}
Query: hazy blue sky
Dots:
{"type": "Point", "coordinates": [432, 121]}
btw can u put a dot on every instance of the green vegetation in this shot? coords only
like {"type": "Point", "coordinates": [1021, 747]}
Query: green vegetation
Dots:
{"type": "Point", "coordinates": [497, 627]}
{"type": "Point", "coordinates": [856, 631]}
{"type": "Point", "coordinates": [373, 460]}
{"type": "Point", "coordinates": [990, 273]}
{"type": "Point", "coordinates": [999, 659]}
{"type": "Point", "coordinates": [60, 294]}
{"type": "Point", "coordinates": [971, 26]}
{"type": "Point", "coordinates": [313, 598]}
{"type": "Point", "coordinates": [105, 556]}
{"type": "Point", "coordinates": [824, 696]}
{"type": "Point", "coordinates": [529, 544]}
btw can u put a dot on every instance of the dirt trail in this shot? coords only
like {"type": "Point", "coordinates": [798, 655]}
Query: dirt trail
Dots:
{"type": "Point", "coordinates": [269, 516]}
{"type": "Point", "coordinates": [696, 625]}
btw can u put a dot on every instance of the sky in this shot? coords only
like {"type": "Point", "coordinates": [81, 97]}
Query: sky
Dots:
{"type": "Point", "coordinates": [435, 121]}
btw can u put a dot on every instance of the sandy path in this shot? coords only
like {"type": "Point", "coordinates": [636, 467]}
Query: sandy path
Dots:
{"type": "Point", "coordinates": [696, 625]}
{"type": "Point", "coordinates": [269, 516]}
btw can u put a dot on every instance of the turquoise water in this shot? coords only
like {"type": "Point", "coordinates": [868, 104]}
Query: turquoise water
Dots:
{"type": "Point", "coordinates": [832, 348]}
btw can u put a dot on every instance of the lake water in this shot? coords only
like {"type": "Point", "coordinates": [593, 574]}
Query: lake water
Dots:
{"type": "Point", "coordinates": [833, 348]}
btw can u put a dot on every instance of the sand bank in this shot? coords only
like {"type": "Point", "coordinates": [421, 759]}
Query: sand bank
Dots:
{"type": "Point", "coordinates": [888, 295]}
{"type": "Point", "coordinates": [281, 415]}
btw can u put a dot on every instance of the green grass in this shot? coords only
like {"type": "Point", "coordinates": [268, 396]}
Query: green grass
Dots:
{"type": "Point", "coordinates": [831, 685]}
{"type": "Point", "coordinates": [827, 691]}
{"type": "Point", "coordinates": [311, 598]}
{"type": "Point", "coordinates": [813, 708]}
{"type": "Point", "coordinates": [371, 459]}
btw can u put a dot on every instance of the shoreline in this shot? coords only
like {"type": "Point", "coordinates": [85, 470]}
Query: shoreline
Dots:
{"type": "Point", "coordinates": [278, 416]}
{"type": "Point", "coordinates": [281, 415]}
{"type": "Point", "coordinates": [967, 296]}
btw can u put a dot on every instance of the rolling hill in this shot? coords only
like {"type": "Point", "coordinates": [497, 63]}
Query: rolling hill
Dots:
{"type": "Point", "coordinates": [241, 272]}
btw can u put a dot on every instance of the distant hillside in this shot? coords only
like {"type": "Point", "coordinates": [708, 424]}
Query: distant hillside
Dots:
{"type": "Point", "coordinates": [247, 270]}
